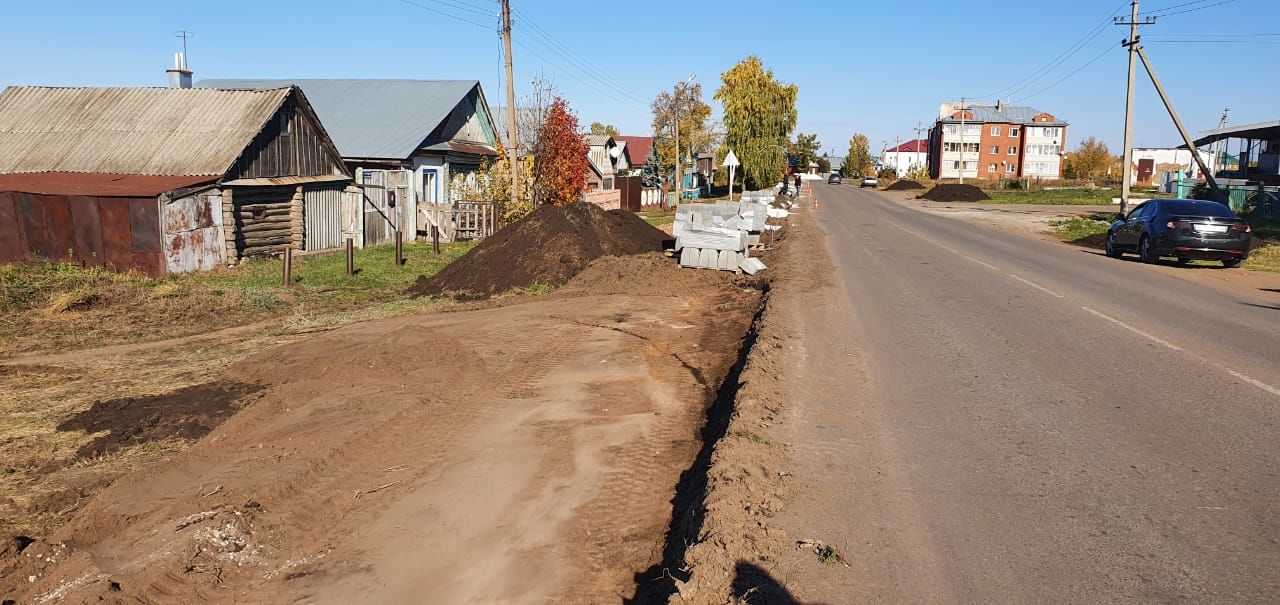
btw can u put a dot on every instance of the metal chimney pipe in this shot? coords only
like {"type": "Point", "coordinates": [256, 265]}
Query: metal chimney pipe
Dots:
{"type": "Point", "coordinates": [179, 75]}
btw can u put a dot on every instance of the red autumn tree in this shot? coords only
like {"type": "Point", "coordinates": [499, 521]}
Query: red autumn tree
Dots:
{"type": "Point", "coordinates": [560, 170]}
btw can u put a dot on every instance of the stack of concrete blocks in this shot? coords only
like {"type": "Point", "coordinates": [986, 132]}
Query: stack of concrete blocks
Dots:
{"type": "Point", "coordinates": [719, 235]}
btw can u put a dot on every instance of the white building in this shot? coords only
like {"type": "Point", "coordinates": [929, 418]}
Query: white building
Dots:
{"type": "Point", "coordinates": [908, 156]}
{"type": "Point", "coordinates": [1158, 165]}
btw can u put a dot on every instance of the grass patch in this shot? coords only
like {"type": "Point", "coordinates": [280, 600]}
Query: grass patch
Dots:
{"type": "Point", "coordinates": [658, 217]}
{"type": "Point", "coordinates": [1082, 228]}
{"type": "Point", "coordinates": [752, 437]}
{"type": "Point", "coordinates": [1265, 256]}
{"type": "Point", "coordinates": [828, 555]}
{"type": "Point", "coordinates": [1063, 197]}
{"type": "Point", "coordinates": [58, 306]}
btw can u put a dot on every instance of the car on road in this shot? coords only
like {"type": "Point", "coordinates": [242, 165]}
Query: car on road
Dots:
{"type": "Point", "coordinates": [1184, 229]}
{"type": "Point", "coordinates": [834, 179]}
{"type": "Point", "coordinates": [869, 181]}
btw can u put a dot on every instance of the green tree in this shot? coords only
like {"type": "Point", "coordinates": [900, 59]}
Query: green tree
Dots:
{"type": "Point", "coordinates": [824, 165]}
{"type": "Point", "coordinates": [759, 115]}
{"type": "Point", "coordinates": [686, 101]}
{"type": "Point", "coordinates": [857, 162]}
{"type": "Point", "coordinates": [805, 150]}
{"type": "Point", "coordinates": [604, 129]}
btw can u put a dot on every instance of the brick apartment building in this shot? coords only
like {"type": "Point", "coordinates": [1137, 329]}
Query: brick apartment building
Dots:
{"type": "Point", "coordinates": [998, 142]}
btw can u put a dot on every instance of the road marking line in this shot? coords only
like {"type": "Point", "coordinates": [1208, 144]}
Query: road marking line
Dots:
{"type": "Point", "coordinates": [1130, 328]}
{"type": "Point", "coordinates": [1036, 286]}
{"type": "Point", "coordinates": [1257, 383]}
{"type": "Point", "coordinates": [982, 262]}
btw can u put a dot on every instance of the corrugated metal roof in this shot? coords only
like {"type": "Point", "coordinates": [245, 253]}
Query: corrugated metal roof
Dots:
{"type": "Point", "coordinates": [1262, 130]}
{"type": "Point", "coordinates": [373, 119]}
{"type": "Point", "coordinates": [597, 139]}
{"type": "Point", "coordinates": [97, 184]}
{"type": "Point", "coordinates": [637, 148]}
{"type": "Point", "coordinates": [912, 146]}
{"type": "Point", "coordinates": [143, 131]}
{"type": "Point", "coordinates": [1010, 114]}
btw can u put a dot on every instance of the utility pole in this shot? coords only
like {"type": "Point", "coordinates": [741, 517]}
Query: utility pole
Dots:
{"type": "Point", "coordinates": [1130, 44]}
{"type": "Point", "coordinates": [961, 140]}
{"type": "Point", "coordinates": [919, 129]}
{"type": "Point", "coordinates": [1217, 148]}
{"type": "Point", "coordinates": [679, 184]}
{"type": "Point", "coordinates": [897, 154]}
{"type": "Point", "coordinates": [511, 106]}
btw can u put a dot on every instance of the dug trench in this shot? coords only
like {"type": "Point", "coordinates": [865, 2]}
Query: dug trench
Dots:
{"type": "Point", "coordinates": [521, 452]}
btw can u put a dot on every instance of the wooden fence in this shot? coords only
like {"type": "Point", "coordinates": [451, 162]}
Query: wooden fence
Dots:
{"type": "Point", "coordinates": [459, 221]}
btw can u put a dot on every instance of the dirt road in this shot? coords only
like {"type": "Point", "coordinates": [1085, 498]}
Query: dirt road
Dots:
{"type": "Point", "coordinates": [524, 453]}
{"type": "Point", "coordinates": [998, 419]}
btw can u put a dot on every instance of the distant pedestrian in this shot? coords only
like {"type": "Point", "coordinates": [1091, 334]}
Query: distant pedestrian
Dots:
{"type": "Point", "coordinates": [797, 184]}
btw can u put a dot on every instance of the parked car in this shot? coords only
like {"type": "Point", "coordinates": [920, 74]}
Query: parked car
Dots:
{"type": "Point", "coordinates": [1184, 229]}
{"type": "Point", "coordinates": [869, 181]}
{"type": "Point", "coordinates": [834, 179]}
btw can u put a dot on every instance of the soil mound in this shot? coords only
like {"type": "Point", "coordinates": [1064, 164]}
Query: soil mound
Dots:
{"type": "Point", "coordinates": [954, 192]}
{"type": "Point", "coordinates": [548, 247]}
{"type": "Point", "coordinates": [904, 185]}
{"type": "Point", "coordinates": [651, 274]}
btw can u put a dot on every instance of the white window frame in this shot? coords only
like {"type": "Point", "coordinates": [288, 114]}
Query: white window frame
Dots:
{"type": "Point", "coordinates": [1013, 150]}
{"type": "Point", "coordinates": [991, 167]}
{"type": "Point", "coordinates": [995, 150]}
{"type": "Point", "coordinates": [1013, 131]}
{"type": "Point", "coordinates": [1011, 168]}
{"type": "Point", "coordinates": [995, 131]}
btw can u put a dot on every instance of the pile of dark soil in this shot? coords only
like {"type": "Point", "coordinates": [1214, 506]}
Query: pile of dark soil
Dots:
{"type": "Point", "coordinates": [904, 185]}
{"type": "Point", "coordinates": [189, 413]}
{"type": "Point", "coordinates": [547, 247]}
{"type": "Point", "coordinates": [955, 192]}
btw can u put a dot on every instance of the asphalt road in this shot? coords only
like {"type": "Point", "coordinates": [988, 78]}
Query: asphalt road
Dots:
{"type": "Point", "coordinates": [1000, 419]}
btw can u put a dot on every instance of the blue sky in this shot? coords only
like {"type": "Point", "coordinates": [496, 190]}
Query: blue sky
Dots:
{"type": "Point", "coordinates": [871, 67]}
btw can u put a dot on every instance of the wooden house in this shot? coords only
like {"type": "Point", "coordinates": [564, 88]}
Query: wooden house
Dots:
{"type": "Point", "coordinates": [441, 130]}
{"type": "Point", "coordinates": [164, 180]}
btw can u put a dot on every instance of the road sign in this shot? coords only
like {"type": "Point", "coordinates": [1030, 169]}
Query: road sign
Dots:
{"type": "Point", "coordinates": [731, 160]}
{"type": "Point", "coordinates": [732, 163]}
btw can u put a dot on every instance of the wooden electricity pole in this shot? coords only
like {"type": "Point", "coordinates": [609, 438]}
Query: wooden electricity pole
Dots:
{"type": "Point", "coordinates": [511, 107]}
{"type": "Point", "coordinates": [1132, 45]}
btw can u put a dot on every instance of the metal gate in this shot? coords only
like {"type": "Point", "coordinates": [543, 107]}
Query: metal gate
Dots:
{"type": "Point", "coordinates": [386, 204]}
{"type": "Point", "coordinates": [322, 217]}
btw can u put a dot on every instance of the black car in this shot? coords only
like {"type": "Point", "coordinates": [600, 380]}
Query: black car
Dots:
{"type": "Point", "coordinates": [1185, 229]}
{"type": "Point", "coordinates": [834, 179]}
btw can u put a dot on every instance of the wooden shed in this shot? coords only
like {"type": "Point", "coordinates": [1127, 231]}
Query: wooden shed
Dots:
{"type": "Point", "coordinates": [164, 180]}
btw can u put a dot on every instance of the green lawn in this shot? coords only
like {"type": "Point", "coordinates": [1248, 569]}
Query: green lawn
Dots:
{"type": "Point", "coordinates": [48, 306]}
{"type": "Point", "coordinates": [659, 217]}
{"type": "Point", "coordinates": [1063, 197]}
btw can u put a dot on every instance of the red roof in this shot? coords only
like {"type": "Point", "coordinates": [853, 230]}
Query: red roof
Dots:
{"type": "Point", "coordinates": [914, 146]}
{"type": "Point", "coordinates": [97, 183]}
{"type": "Point", "coordinates": [637, 148]}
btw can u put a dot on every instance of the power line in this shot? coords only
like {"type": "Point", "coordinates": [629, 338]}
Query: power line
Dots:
{"type": "Point", "coordinates": [1191, 10]}
{"type": "Point", "coordinates": [549, 40]}
{"type": "Point", "coordinates": [1212, 42]}
{"type": "Point", "coordinates": [606, 92]}
{"type": "Point", "coordinates": [1068, 76]}
{"type": "Point", "coordinates": [1168, 8]}
{"type": "Point", "coordinates": [449, 15]}
{"type": "Point", "coordinates": [1058, 60]}
{"type": "Point", "coordinates": [1208, 35]}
